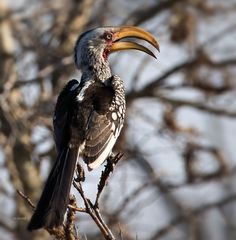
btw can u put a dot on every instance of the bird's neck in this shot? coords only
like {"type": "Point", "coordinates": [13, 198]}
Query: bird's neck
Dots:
{"type": "Point", "coordinates": [99, 70]}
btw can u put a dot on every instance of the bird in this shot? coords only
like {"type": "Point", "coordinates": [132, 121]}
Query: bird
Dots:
{"type": "Point", "coordinates": [89, 115]}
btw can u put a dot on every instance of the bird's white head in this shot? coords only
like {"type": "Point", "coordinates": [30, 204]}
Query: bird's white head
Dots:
{"type": "Point", "coordinates": [94, 46]}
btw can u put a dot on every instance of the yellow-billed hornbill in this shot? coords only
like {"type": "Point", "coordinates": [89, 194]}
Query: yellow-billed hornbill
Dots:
{"type": "Point", "coordinates": [88, 117]}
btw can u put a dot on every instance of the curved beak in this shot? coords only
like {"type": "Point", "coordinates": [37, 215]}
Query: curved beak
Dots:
{"type": "Point", "coordinates": [132, 32]}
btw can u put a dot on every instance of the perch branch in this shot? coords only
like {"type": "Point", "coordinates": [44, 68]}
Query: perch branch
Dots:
{"type": "Point", "coordinates": [91, 211]}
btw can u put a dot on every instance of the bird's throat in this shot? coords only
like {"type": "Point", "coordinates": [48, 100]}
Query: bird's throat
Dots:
{"type": "Point", "coordinates": [100, 70]}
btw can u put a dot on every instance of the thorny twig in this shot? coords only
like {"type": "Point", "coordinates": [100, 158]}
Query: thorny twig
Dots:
{"type": "Point", "coordinates": [70, 221]}
{"type": "Point", "coordinates": [111, 162]}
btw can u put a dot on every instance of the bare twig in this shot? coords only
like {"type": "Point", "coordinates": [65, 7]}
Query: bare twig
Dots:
{"type": "Point", "coordinates": [197, 105]}
{"type": "Point", "coordinates": [77, 209]}
{"type": "Point", "coordinates": [45, 72]}
{"type": "Point", "coordinates": [190, 157]}
{"type": "Point", "coordinates": [179, 219]}
{"type": "Point", "coordinates": [140, 16]}
{"type": "Point", "coordinates": [27, 199]}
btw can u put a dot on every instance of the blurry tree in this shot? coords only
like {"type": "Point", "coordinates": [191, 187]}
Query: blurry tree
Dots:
{"type": "Point", "coordinates": [176, 179]}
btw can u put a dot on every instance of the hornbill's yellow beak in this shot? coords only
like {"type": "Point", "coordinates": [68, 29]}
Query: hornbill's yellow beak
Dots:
{"type": "Point", "coordinates": [133, 32]}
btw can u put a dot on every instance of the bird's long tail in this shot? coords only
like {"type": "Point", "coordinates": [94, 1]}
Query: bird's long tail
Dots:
{"type": "Point", "coordinates": [52, 205]}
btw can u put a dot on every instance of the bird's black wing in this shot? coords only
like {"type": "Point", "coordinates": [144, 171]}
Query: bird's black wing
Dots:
{"type": "Point", "coordinates": [53, 202]}
{"type": "Point", "coordinates": [63, 114]}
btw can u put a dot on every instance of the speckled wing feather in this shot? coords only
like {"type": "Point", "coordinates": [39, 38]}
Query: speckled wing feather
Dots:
{"type": "Point", "coordinates": [98, 145]}
{"type": "Point", "coordinates": [104, 123]}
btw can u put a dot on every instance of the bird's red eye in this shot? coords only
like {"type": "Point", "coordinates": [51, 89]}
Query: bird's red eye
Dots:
{"type": "Point", "coordinates": [108, 36]}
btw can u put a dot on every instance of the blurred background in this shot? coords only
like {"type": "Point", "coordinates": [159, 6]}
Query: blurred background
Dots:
{"type": "Point", "coordinates": [177, 177]}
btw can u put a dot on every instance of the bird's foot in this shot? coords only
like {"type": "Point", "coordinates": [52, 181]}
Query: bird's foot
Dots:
{"type": "Point", "coordinates": [80, 175]}
{"type": "Point", "coordinates": [113, 159]}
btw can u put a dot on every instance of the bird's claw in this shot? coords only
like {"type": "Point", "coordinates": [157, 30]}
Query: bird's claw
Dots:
{"type": "Point", "coordinates": [80, 175]}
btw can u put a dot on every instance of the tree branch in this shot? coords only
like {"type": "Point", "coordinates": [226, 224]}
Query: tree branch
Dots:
{"type": "Point", "coordinates": [181, 218]}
